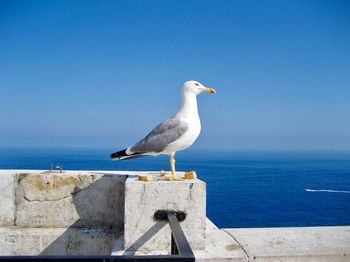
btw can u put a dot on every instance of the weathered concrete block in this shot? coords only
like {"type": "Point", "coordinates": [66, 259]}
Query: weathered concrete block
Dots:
{"type": "Point", "coordinates": [7, 199]}
{"type": "Point", "coordinates": [60, 200]}
{"type": "Point", "coordinates": [70, 213]}
{"type": "Point", "coordinates": [142, 199]}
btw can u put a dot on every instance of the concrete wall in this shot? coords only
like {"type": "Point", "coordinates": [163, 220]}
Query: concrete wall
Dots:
{"type": "Point", "coordinates": [73, 213]}
{"type": "Point", "coordinates": [82, 213]}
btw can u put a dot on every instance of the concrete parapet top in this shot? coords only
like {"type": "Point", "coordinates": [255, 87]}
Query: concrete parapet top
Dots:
{"type": "Point", "coordinates": [77, 172]}
{"type": "Point", "coordinates": [158, 178]}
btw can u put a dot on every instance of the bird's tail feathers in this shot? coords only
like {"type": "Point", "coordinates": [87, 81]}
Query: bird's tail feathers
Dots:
{"type": "Point", "coordinates": [122, 155]}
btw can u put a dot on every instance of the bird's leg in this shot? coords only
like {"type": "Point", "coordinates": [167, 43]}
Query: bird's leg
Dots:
{"type": "Point", "coordinates": [172, 165]}
{"type": "Point", "coordinates": [173, 176]}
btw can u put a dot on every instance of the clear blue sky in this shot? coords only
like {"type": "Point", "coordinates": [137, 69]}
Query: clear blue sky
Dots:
{"type": "Point", "coordinates": [104, 73]}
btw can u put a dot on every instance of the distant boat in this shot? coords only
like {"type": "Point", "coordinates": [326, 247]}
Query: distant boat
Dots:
{"type": "Point", "coordinates": [327, 190]}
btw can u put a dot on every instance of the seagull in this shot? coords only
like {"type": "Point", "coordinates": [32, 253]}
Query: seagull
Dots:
{"type": "Point", "coordinates": [174, 134]}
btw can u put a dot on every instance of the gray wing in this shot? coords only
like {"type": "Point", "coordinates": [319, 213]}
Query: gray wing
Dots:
{"type": "Point", "coordinates": [160, 137]}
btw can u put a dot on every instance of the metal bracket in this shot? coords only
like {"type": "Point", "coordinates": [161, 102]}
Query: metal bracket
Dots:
{"type": "Point", "coordinates": [162, 215]}
{"type": "Point", "coordinates": [179, 243]}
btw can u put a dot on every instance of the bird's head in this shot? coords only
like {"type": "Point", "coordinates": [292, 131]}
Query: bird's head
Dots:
{"type": "Point", "coordinates": [196, 88]}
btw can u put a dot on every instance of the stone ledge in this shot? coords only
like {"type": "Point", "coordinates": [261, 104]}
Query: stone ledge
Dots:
{"type": "Point", "coordinates": [294, 243]}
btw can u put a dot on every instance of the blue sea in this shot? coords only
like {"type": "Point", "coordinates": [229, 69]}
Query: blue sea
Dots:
{"type": "Point", "coordinates": [244, 188]}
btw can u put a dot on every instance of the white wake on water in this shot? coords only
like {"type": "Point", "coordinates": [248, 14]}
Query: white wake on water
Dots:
{"type": "Point", "coordinates": [327, 190]}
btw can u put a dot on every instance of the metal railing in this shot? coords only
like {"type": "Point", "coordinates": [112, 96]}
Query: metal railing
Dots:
{"type": "Point", "coordinates": [180, 249]}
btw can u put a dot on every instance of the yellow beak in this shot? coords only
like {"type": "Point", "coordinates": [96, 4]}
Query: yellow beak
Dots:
{"type": "Point", "coordinates": [209, 90]}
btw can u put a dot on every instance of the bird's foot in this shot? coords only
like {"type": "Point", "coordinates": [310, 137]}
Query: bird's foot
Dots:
{"type": "Point", "coordinates": [145, 178]}
{"type": "Point", "coordinates": [190, 175]}
{"type": "Point", "coordinates": [172, 177]}
{"type": "Point", "coordinates": [176, 178]}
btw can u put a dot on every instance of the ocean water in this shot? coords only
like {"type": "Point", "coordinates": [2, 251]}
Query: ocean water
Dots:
{"type": "Point", "coordinates": [244, 188]}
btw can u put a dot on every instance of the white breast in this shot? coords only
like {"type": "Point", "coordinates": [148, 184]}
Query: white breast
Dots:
{"type": "Point", "coordinates": [188, 138]}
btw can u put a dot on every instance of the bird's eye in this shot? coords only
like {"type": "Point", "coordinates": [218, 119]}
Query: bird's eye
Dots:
{"type": "Point", "coordinates": [196, 84]}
